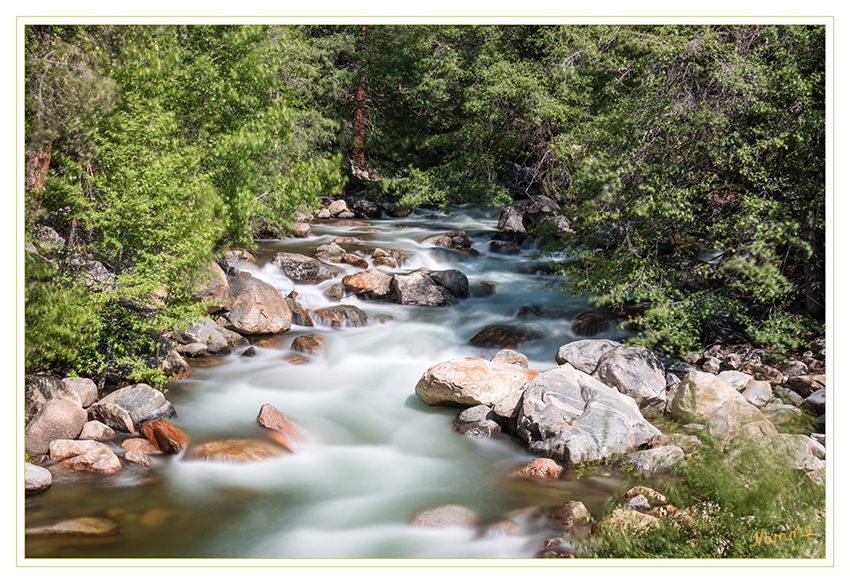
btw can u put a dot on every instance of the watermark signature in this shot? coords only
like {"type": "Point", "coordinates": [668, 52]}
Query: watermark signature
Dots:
{"type": "Point", "coordinates": [762, 538]}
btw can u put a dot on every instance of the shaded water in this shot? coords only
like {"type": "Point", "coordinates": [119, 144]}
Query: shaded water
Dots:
{"type": "Point", "coordinates": [374, 454]}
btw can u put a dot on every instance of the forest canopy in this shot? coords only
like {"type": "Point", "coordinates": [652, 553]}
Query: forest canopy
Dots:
{"type": "Point", "coordinates": [690, 162]}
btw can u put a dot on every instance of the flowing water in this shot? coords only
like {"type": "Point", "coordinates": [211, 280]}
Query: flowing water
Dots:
{"type": "Point", "coordinates": [374, 454]}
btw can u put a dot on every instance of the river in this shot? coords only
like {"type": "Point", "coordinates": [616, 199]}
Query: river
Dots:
{"type": "Point", "coordinates": [374, 454]}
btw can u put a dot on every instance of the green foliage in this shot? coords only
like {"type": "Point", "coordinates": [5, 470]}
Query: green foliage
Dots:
{"type": "Point", "coordinates": [745, 502]}
{"type": "Point", "coordinates": [61, 320]}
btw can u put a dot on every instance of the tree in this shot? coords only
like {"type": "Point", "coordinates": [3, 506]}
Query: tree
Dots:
{"type": "Point", "coordinates": [700, 181]}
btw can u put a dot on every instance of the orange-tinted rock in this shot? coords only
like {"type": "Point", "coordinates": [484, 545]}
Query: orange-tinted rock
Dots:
{"type": "Point", "coordinates": [165, 436]}
{"type": "Point", "coordinates": [540, 468]}
{"type": "Point", "coordinates": [271, 418]}
{"type": "Point", "coordinates": [300, 317]}
{"type": "Point", "coordinates": [371, 282]}
{"type": "Point", "coordinates": [297, 359]}
{"type": "Point", "coordinates": [308, 343]}
{"type": "Point", "coordinates": [568, 514]}
{"type": "Point", "coordinates": [235, 450]}
{"type": "Point", "coordinates": [138, 444]}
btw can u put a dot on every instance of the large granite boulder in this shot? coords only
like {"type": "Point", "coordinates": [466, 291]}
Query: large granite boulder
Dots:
{"type": "Point", "coordinates": [212, 288]}
{"type": "Point", "coordinates": [638, 373]}
{"type": "Point", "coordinates": [38, 389]}
{"type": "Point", "coordinates": [126, 409]}
{"type": "Point", "coordinates": [301, 269]}
{"type": "Point", "coordinates": [57, 419]}
{"type": "Point", "coordinates": [256, 307]}
{"type": "Point", "coordinates": [474, 381]}
{"type": "Point", "coordinates": [584, 355]}
{"type": "Point", "coordinates": [569, 416]}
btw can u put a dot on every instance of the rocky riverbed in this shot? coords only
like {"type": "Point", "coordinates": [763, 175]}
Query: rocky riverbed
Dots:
{"type": "Point", "coordinates": [541, 388]}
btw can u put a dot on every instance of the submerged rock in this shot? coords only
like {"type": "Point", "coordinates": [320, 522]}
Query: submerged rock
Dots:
{"type": "Point", "coordinates": [235, 450]}
{"type": "Point", "coordinates": [541, 468]}
{"type": "Point", "coordinates": [503, 337]}
{"type": "Point", "coordinates": [445, 516]}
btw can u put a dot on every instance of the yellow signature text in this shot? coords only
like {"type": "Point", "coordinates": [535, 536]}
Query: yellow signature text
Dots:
{"type": "Point", "coordinates": [762, 538]}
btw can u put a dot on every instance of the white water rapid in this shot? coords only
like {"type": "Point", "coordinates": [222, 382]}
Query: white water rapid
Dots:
{"type": "Point", "coordinates": [374, 454]}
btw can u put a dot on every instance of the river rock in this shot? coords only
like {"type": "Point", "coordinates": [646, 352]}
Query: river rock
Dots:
{"type": "Point", "coordinates": [419, 289]}
{"type": "Point", "coordinates": [762, 372]}
{"type": "Point", "coordinates": [235, 450]}
{"type": "Point", "coordinates": [503, 337]}
{"type": "Point", "coordinates": [396, 210]}
{"type": "Point", "coordinates": [630, 522]}
{"type": "Point", "coordinates": [41, 388]}
{"type": "Point", "coordinates": [299, 316]}
{"type": "Point", "coordinates": [638, 373]}
{"type": "Point", "coordinates": [591, 324]}
{"type": "Point", "coordinates": [98, 458]}
{"type": "Point", "coordinates": [337, 207]}
{"type": "Point", "coordinates": [85, 388]}
{"type": "Point", "coordinates": [584, 355]}
{"type": "Point", "coordinates": [219, 340]}
{"type": "Point", "coordinates": [511, 220]}
{"type": "Point", "coordinates": [542, 468]}
{"type": "Point", "coordinates": [309, 344]}
{"type": "Point", "coordinates": [96, 430]}
{"type": "Point", "coordinates": [138, 458]}
{"type": "Point", "coordinates": [138, 444]}
{"type": "Point", "coordinates": [478, 421]}
{"type": "Point", "coordinates": [571, 417]}
{"type": "Point", "coordinates": [504, 248]}
{"type": "Point", "coordinates": [788, 396]}
{"type": "Point", "coordinates": [330, 252]}
{"type": "Point", "coordinates": [779, 414]}
{"type": "Point", "coordinates": [256, 307]}
{"type": "Point", "coordinates": [568, 515]}
{"type": "Point", "coordinates": [758, 393]}
{"type": "Point", "coordinates": [126, 409]}
{"type": "Point", "coordinates": [698, 395]}
{"type": "Point", "coordinates": [454, 240]}
{"type": "Point", "coordinates": [37, 479]}
{"type": "Point", "coordinates": [388, 257]}
{"type": "Point", "coordinates": [656, 459]}
{"type": "Point", "coordinates": [735, 379]}
{"type": "Point", "coordinates": [334, 293]}
{"type": "Point", "coordinates": [76, 527]}
{"type": "Point", "coordinates": [57, 419]}
{"type": "Point", "coordinates": [194, 349]}
{"type": "Point", "coordinates": [213, 288]}
{"type": "Point", "coordinates": [805, 385]}
{"type": "Point", "coordinates": [445, 516]}
{"type": "Point", "coordinates": [737, 419]}
{"type": "Point", "coordinates": [371, 283]}
{"type": "Point", "coordinates": [453, 280]}
{"type": "Point", "coordinates": [281, 429]}
{"type": "Point", "coordinates": [363, 207]}
{"type": "Point", "coordinates": [796, 448]}
{"type": "Point", "coordinates": [508, 356]}
{"type": "Point", "coordinates": [238, 258]}
{"type": "Point", "coordinates": [165, 436]}
{"type": "Point", "coordinates": [301, 269]}
{"type": "Point", "coordinates": [341, 316]}
{"type": "Point", "coordinates": [301, 230]}
{"type": "Point", "coordinates": [816, 402]}
{"type": "Point", "coordinates": [474, 381]}
{"type": "Point", "coordinates": [62, 449]}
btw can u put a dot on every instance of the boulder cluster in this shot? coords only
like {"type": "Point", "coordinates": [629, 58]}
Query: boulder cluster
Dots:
{"type": "Point", "coordinates": [596, 405]}
{"type": "Point", "coordinates": [71, 429]}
